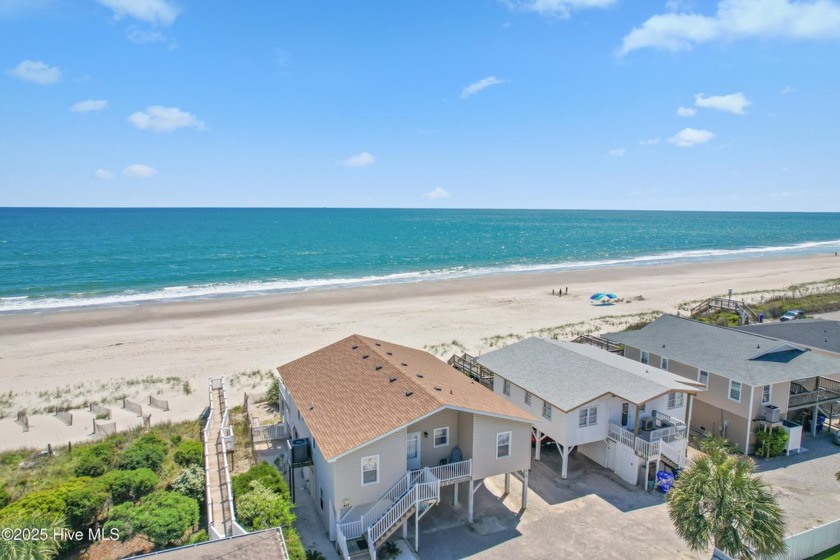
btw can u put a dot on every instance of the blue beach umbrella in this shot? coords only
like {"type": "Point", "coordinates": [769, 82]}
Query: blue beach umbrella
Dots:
{"type": "Point", "coordinates": [601, 296]}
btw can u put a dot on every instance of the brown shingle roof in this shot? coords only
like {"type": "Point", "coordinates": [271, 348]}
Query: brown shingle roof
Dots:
{"type": "Point", "coordinates": [360, 388]}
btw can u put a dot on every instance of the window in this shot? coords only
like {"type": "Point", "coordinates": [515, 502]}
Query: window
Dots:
{"type": "Point", "coordinates": [704, 378]}
{"type": "Point", "coordinates": [441, 436]}
{"type": "Point", "coordinates": [645, 357]}
{"type": "Point", "coordinates": [527, 398]}
{"type": "Point", "coordinates": [664, 363]}
{"type": "Point", "coordinates": [765, 394]}
{"type": "Point", "coordinates": [502, 445]}
{"type": "Point", "coordinates": [735, 390]}
{"type": "Point", "coordinates": [506, 388]}
{"type": "Point", "coordinates": [370, 470]}
{"type": "Point", "coordinates": [588, 416]}
{"type": "Point", "coordinates": [675, 400]}
{"type": "Point", "coordinates": [546, 410]}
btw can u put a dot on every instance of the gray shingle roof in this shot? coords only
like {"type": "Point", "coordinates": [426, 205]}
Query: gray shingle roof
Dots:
{"type": "Point", "coordinates": [727, 352]}
{"type": "Point", "coordinates": [816, 333]}
{"type": "Point", "coordinates": [569, 375]}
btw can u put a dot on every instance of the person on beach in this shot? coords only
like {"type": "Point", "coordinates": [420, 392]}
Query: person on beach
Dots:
{"type": "Point", "coordinates": [567, 289]}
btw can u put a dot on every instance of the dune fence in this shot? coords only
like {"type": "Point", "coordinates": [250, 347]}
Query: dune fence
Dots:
{"type": "Point", "coordinates": [100, 411]}
{"type": "Point", "coordinates": [104, 428]}
{"type": "Point", "coordinates": [134, 407]}
{"type": "Point", "coordinates": [23, 420]}
{"type": "Point", "coordinates": [64, 416]}
{"type": "Point", "coordinates": [159, 403]}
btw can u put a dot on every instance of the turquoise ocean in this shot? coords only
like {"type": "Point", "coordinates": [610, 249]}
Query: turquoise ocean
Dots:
{"type": "Point", "coordinates": [53, 258]}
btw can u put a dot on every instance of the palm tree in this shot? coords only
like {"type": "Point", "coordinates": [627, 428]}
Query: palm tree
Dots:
{"type": "Point", "coordinates": [718, 501]}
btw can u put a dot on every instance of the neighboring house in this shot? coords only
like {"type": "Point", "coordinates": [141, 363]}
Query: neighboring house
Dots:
{"type": "Point", "coordinates": [387, 426]}
{"type": "Point", "coordinates": [744, 373]}
{"type": "Point", "coordinates": [624, 416]}
{"type": "Point", "coordinates": [260, 545]}
{"type": "Point", "coordinates": [815, 333]}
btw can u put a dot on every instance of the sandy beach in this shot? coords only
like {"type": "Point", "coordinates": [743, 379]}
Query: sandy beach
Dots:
{"type": "Point", "coordinates": [170, 350]}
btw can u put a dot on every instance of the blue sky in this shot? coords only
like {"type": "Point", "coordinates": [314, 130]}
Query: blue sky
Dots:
{"type": "Point", "coordinates": [712, 105]}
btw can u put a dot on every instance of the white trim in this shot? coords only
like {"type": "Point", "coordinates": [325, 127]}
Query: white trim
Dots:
{"type": "Point", "coordinates": [663, 363]}
{"type": "Point", "coordinates": [362, 464]}
{"type": "Point", "coordinates": [740, 391]}
{"type": "Point", "coordinates": [435, 444]}
{"type": "Point", "coordinates": [769, 394]}
{"type": "Point", "coordinates": [509, 444]}
{"type": "Point", "coordinates": [700, 373]}
{"type": "Point", "coordinates": [587, 413]}
{"type": "Point", "coordinates": [644, 357]}
{"type": "Point", "coordinates": [747, 419]}
{"type": "Point", "coordinates": [675, 400]}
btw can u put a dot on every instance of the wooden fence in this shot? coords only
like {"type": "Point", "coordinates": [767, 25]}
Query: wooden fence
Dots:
{"type": "Point", "coordinates": [133, 407]}
{"type": "Point", "coordinates": [159, 403]}
{"type": "Point", "coordinates": [64, 416]}
{"type": "Point", "coordinates": [100, 410]}
{"type": "Point", "coordinates": [104, 428]}
{"type": "Point", "coordinates": [23, 420]}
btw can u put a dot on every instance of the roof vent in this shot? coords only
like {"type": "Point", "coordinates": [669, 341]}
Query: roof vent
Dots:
{"type": "Point", "coordinates": [392, 379]}
{"type": "Point", "coordinates": [355, 346]}
{"type": "Point", "coordinates": [312, 407]}
{"type": "Point", "coordinates": [437, 388]}
{"type": "Point", "coordinates": [366, 356]}
{"type": "Point", "coordinates": [409, 393]}
{"type": "Point", "coordinates": [378, 367]}
{"type": "Point", "coordinates": [376, 343]}
{"type": "Point", "coordinates": [403, 364]}
{"type": "Point", "coordinates": [390, 353]}
{"type": "Point", "coordinates": [420, 375]}
{"type": "Point", "coordinates": [758, 345]}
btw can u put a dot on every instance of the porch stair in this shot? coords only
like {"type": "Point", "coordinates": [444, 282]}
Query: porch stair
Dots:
{"type": "Point", "coordinates": [416, 492]}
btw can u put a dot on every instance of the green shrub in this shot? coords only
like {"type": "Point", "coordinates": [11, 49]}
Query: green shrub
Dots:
{"type": "Point", "coordinates": [262, 509]}
{"type": "Point", "coordinates": [84, 505]}
{"type": "Point", "coordinates": [162, 516]}
{"type": "Point", "coordinates": [774, 441]}
{"type": "Point", "coordinates": [268, 476]}
{"type": "Point", "coordinates": [34, 549]}
{"type": "Point", "coordinates": [273, 393]}
{"type": "Point", "coordinates": [189, 452]}
{"type": "Point", "coordinates": [293, 545]}
{"type": "Point", "coordinates": [94, 460]}
{"type": "Point", "coordinates": [44, 504]}
{"type": "Point", "coordinates": [5, 498]}
{"type": "Point", "coordinates": [190, 482]}
{"type": "Point", "coordinates": [313, 554]}
{"type": "Point", "coordinates": [388, 551]}
{"type": "Point", "coordinates": [198, 537]}
{"type": "Point", "coordinates": [130, 486]}
{"type": "Point", "coordinates": [148, 451]}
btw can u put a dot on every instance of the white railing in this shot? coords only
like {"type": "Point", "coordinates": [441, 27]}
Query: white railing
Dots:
{"type": "Point", "coordinates": [206, 439]}
{"type": "Point", "coordinates": [668, 418]}
{"type": "Point", "coordinates": [270, 432]}
{"type": "Point", "coordinates": [619, 434]}
{"type": "Point", "coordinates": [342, 542]}
{"type": "Point", "coordinates": [355, 529]}
{"type": "Point", "coordinates": [225, 435]}
{"type": "Point", "coordinates": [676, 454]}
{"type": "Point", "coordinates": [423, 491]}
{"type": "Point", "coordinates": [668, 433]}
{"type": "Point", "coordinates": [647, 449]}
{"type": "Point", "coordinates": [451, 471]}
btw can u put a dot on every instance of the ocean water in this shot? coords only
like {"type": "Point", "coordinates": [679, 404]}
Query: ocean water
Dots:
{"type": "Point", "coordinates": [53, 258]}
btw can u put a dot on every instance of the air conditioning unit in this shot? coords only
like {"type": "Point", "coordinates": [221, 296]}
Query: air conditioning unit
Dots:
{"type": "Point", "coordinates": [300, 450]}
{"type": "Point", "coordinates": [771, 413]}
{"type": "Point", "coordinates": [648, 424]}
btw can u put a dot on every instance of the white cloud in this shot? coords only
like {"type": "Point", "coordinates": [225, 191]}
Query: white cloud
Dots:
{"type": "Point", "coordinates": [649, 142]}
{"type": "Point", "coordinates": [557, 8]}
{"type": "Point", "coordinates": [359, 160]}
{"type": "Point", "coordinates": [36, 72]}
{"type": "Point", "coordinates": [89, 105]}
{"type": "Point", "coordinates": [679, 5]}
{"type": "Point", "coordinates": [156, 12]}
{"type": "Point", "coordinates": [736, 20]}
{"type": "Point", "coordinates": [788, 89]}
{"type": "Point", "coordinates": [437, 194]}
{"type": "Point", "coordinates": [476, 87]}
{"type": "Point", "coordinates": [732, 103]}
{"type": "Point", "coordinates": [618, 152]}
{"type": "Point", "coordinates": [686, 112]}
{"type": "Point", "coordinates": [139, 171]}
{"type": "Point", "coordinates": [103, 175]}
{"type": "Point", "coordinates": [164, 119]}
{"type": "Point", "coordinates": [690, 137]}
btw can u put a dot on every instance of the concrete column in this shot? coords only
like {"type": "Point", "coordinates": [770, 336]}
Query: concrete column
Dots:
{"type": "Point", "coordinates": [416, 530]}
{"type": "Point", "coordinates": [455, 494]}
{"type": "Point", "coordinates": [405, 532]}
{"type": "Point", "coordinates": [507, 483]}
{"type": "Point", "coordinates": [565, 468]}
{"type": "Point", "coordinates": [525, 489]}
{"type": "Point", "coordinates": [636, 429]}
{"type": "Point", "coordinates": [537, 450]}
{"type": "Point", "coordinates": [470, 499]}
{"type": "Point", "coordinates": [814, 419]}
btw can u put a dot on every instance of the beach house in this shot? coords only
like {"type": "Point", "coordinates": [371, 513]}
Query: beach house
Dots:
{"type": "Point", "coordinates": [378, 429]}
{"type": "Point", "coordinates": [818, 334]}
{"type": "Point", "coordinates": [752, 380]}
{"type": "Point", "coordinates": [625, 416]}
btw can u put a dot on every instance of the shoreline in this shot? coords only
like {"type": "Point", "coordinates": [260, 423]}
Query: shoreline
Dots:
{"type": "Point", "coordinates": [170, 350]}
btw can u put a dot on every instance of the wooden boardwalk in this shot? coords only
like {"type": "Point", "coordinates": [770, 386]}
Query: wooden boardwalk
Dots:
{"type": "Point", "coordinates": [220, 493]}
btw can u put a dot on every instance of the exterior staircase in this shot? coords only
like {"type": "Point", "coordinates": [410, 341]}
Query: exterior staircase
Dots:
{"type": "Point", "coordinates": [746, 314]}
{"type": "Point", "coordinates": [415, 493]}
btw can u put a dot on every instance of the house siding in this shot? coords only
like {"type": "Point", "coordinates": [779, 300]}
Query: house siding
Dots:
{"type": "Point", "coordinates": [485, 463]}
{"type": "Point", "coordinates": [431, 456]}
{"type": "Point", "coordinates": [392, 466]}
{"type": "Point", "coordinates": [465, 433]}
{"type": "Point", "coordinates": [710, 419]}
{"type": "Point", "coordinates": [554, 428]}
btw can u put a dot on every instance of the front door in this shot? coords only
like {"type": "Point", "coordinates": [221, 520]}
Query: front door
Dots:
{"type": "Point", "coordinates": [625, 414]}
{"type": "Point", "coordinates": [413, 451]}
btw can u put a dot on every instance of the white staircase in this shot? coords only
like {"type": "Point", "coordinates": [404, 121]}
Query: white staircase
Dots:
{"type": "Point", "coordinates": [416, 492]}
